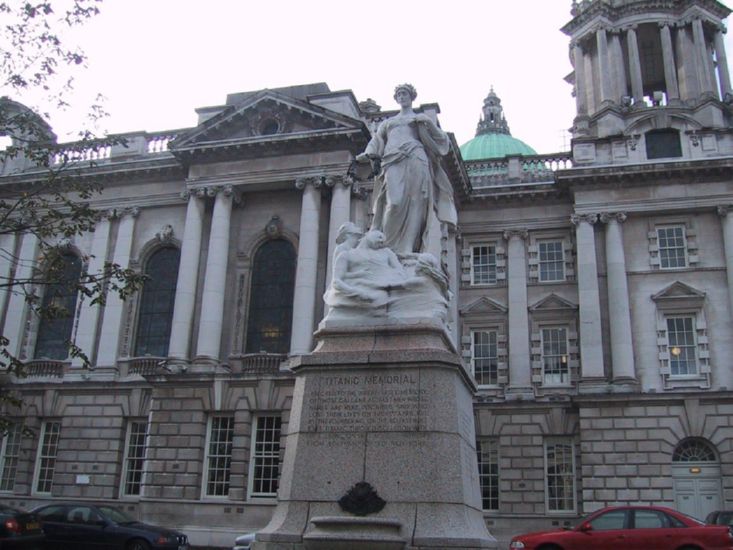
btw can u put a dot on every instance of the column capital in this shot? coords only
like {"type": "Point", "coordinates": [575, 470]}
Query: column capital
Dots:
{"type": "Point", "coordinates": [577, 219]}
{"type": "Point", "coordinates": [724, 210]}
{"type": "Point", "coordinates": [511, 233]}
{"type": "Point", "coordinates": [304, 181]}
{"type": "Point", "coordinates": [607, 217]}
{"type": "Point", "coordinates": [227, 191]}
{"type": "Point", "coordinates": [335, 180]}
{"type": "Point", "coordinates": [198, 192]}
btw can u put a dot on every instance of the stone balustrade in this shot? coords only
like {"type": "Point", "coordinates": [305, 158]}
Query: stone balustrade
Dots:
{"type": "Point", "coordinates": [517, 169]}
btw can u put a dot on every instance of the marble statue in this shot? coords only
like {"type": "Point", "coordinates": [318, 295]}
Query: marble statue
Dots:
{"type": "Point", "coordinates": [386, 275]}
{"type": "Point", "coordinates": [411, 182]}
{"type": "Point", "coordinates": [369, 280]}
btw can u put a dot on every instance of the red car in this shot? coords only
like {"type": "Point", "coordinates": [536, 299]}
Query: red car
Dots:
{"type": "Point", "coordinates": [631, 528]}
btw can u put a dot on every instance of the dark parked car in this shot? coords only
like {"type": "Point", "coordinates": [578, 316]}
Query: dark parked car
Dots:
{"type": "Point", "coordinates": [78, 526]}
{"type": "Point", "coordinates": [244, 542]}
{"type": "Point", "coordinates": [631, 528]}
{"type": "Point", "coordinates": [720, 517]}
{"type": "Point", "coordinates": [19, 530]}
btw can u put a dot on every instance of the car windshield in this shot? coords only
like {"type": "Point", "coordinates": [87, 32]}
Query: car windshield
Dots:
{"type": "Point", "coordinates": [7, 510]}
{"type": "Point", "coordinates": [694, 520]}
{"type": "Point", "coordinates": [725, 518]}
{"type": "Point", "coordinates": [115, 515]}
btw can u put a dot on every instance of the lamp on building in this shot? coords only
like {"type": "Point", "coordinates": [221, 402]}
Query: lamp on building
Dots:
{"type": "Point", "coordinates": [676, 351]}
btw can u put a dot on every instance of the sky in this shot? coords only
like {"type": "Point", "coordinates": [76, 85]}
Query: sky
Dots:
{"type": "Point", "coordinates": [155, 61]}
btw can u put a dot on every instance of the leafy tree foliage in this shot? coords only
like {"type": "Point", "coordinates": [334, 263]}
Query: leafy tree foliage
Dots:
{"type": "Point", "coordinates": [45, 189]}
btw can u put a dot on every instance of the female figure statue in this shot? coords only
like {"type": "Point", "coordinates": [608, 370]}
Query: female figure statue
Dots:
{"type": "Point", "coordinates": [411, 181]}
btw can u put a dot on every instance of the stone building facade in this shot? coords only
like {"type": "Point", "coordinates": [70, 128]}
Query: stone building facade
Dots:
{"type": "Point", "coordinates": [594, 295]}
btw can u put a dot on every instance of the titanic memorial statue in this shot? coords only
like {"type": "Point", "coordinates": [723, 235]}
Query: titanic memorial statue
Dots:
{"type": "Point", "coordinates": [380, 444]}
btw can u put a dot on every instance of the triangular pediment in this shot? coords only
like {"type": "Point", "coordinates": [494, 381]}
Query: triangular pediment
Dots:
{"type": "Point", "coordinates": [553, 302]}
{"type": "Point", "coordinates": [265, 116]}
{"type": "Point", "coordinates": [484, 305]}
{"type": "Point", "coordinates": [678, 291]}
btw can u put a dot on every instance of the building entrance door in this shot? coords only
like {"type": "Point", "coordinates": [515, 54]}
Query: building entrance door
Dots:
{"type": "Point", "coordinates": [697, 479]}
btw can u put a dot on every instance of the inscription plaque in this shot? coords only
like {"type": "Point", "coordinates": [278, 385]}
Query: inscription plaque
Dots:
{"type": "Point", "coordinates": [365, 403]}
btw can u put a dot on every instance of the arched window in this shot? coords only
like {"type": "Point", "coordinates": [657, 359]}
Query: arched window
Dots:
{"type": "Point", "coordinates": [156, 303]}
{"type": "Point", "coordinates": [694, 450]}
{"type": "Point", "coordinates": [271, 298]}
{"type": "Point", "coordinates": [59, 307]}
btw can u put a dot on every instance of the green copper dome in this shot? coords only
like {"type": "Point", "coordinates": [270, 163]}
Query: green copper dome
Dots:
{"type": "Point", "coordinates": [488, 146]}
{"type": "Point", "coordinates": [493, 138]}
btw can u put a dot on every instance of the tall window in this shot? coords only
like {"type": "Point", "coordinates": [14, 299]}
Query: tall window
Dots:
{"type": "Point", "coordinates": [59, 301]}
{"type": "Point", "coordinates": [484, 357]}
{"type": "Point", "coordinates": [560, 476]}
{"type": "Point", "coordinates": [46, 459]}
{"type": "Point", "coordinates": [483, 264]}
{"type": "Point", "coordinates": [134, 458]}
{"type": "Point", "coordinates": [681, 346]}
{"type": "Point", "coordinates": [551, 261]}
{"type": "Point", "coordinates": [271, 298]}
{"type": "Point", "coordinates": [265, 459]}
{"type": "Point", "coordinates": [156, 303]}
{"type": "Point", "coordinates": [555, 365]}
{"type": "Point", "coordinates": [9, 453]}
{"type": "Point", "coordinates": [219, 455]}
{"type": "Point", "coordinates": [487, 451]}
{"type": "Point", "coordinates": [672, 246]}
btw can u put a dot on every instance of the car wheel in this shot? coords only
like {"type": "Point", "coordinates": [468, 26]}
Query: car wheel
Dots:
{"type": "Point", "coordinates": [137, 544]}
{"type": "Point", "coordinates": [549, 547]}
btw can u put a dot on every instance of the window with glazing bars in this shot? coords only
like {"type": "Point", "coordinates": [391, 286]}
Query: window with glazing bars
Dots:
{"type": "Point", "coordinates": [681, 346]}
{"type": "Point", "coordinates": [551, 261]}
{"type": "Point", "coordinates": [265, 468]}
{"type": "Point", "coordinates": [219, 455]}
{"type": "Point", "coordinates": [487, 451]}
{"type": "Point", "coordinates": [560, 477]}
{"type": "Point", "coordinates": [9, 453]}
{"type": "Point", "coordinates": [555, 356]}
{"type": "Point", "coordinates": [484, 357]}
{"type": "Point", "coordinates": [134, 458]}
{"type": "Point", "coordinates": [46, 461]}
{"type": "Point", "coordinates": [672, 247]}
{"type": "Point", "coordinates": [483, 264]}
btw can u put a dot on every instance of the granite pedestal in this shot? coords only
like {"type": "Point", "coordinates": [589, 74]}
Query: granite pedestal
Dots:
{"type": "Point", "coordinates": [389, 406]}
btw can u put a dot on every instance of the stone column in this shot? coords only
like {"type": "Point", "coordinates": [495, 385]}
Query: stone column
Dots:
{"type": "Point", "coordinates": [188, 270]}
{"type": "Point", "coordinates": [86, 332]}
{"type": "Point", "coordinates": [304, 299]}
{"type": "Point", "coordinates": [16, 316]}
{"type": "Point", "coordinates": [7, 256]}
{"type": "Point", "coordinates": [637, 85]}
{"type": "Point", "coordinates": [703, 61]}
{"type": "Point", "coordinates": [115, 307]}
{"type": "Point", "coordinates": [340, 214]}
{"type": "Point", "coordinates": [591, 345]}
{"type": "Point", "coordinates": [670, 69]}
{"type": "Point", "coordinates": [212, 302]}
{"type": "Point", "coordinates": [687, 75]}
{"type": "Point", "coordinates": [723, 71]}
{"type": "Point", "coordinates": [520, 370]}
{"type": "Point", "coordinates": [726, 214]}
{"type": "Point", "coordinates": [581, 90]}
{"type": "Point", "coordinates": [604, 74]}
{"type": "Point", "coordinates": [622, 347]}
{"type": "Point", "coordinates": [619, 67]}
